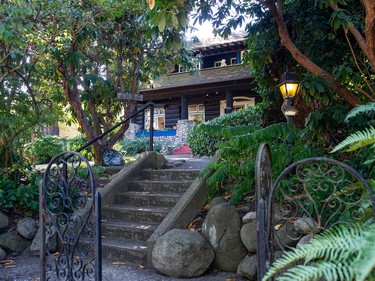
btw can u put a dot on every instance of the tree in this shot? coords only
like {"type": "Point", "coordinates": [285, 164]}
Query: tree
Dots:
{"type": "Point", "coordinates": [89, 51]}
{"type": "Point", "coordinates": [223, 21]}
{"type": "Point", "coordinates": [24, 103]}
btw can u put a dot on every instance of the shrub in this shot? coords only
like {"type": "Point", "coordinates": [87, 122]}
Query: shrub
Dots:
{"type": "Point", "coordinates": [234, 172]}
{"type": "Point", "coordinates": [133, 147]}
{"type": "Point", "coordinates": [77, 142]}
{"type": "Point", "coordinates": [43, 149]}
{"type": "Point", "coordinates": [24, 196]}
{"type": "Point", "coordinates": [204, 143]}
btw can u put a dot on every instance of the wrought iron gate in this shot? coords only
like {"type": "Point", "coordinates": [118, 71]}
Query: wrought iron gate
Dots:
{"type": "Point", "coordinates": [320, 192]}
{"type": "Point", "coordinates": [70, 208]}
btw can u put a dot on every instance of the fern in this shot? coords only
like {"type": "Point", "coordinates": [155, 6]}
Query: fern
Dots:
{"type": "Point", "coordinates": [341, 253]}
{"type": "Point", "coordinates": [366, 109]}
{"type": "Point", "coordinates": [357, 140]}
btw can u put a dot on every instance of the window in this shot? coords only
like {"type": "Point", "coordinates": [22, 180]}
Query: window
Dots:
{"type": "Point", "coordinates": [233, 61]}
{"type": "Point", "coordinates": [196, 113]}
{"type": "Point", "coordinates": [238, 103]}
{"type": "Point", "coordinates": [159, 119]}
{"type": "Point", "coordinates": [217, 63]}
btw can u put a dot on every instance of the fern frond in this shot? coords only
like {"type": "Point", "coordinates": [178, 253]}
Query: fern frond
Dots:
{"type": "Point", "coordinates": [365, 264]}
{"type": "Point", "coordinates": [362, 109]}
{"type": "Point", "coordinates": [329, 270]}
{"type": "Point", "coordinates": [357, 140]}
{"type": "Point", "coordinates": [337, 245]}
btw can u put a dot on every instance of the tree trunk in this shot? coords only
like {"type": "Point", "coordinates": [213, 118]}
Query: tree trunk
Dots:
{"type": "Point", "coordinates": [310, 66]}
{"type": "Point", "coordinates": [370, 30]}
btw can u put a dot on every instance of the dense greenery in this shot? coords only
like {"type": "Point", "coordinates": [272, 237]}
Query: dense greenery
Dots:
{"type": "Point", "coordinates": [202, 138]}
{"type": "Point", "coordinates": [234, 172]}
{"type": "Point", "coordinates": [42, 150]}
{"type": "Point", "coordinates": [341, 253]}
{"type": "Point", "coordinates": [136, 146]}
{"type": "Point", "coordinates": [329, 44]}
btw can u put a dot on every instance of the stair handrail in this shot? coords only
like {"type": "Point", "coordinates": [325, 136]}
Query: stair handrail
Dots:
{"type": "Point", "coordinates": [143, 109]}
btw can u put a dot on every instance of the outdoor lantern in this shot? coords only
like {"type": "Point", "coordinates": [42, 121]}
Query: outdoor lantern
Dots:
{"type": "Point", "coordinates": [288, 84]}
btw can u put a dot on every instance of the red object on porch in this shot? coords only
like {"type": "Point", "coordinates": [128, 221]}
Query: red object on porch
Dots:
{"type": "Point", "coordinates": [182, 150]}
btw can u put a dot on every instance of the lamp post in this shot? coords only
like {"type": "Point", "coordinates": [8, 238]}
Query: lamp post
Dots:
{"type": "Point", "coordinates": [289, 87]}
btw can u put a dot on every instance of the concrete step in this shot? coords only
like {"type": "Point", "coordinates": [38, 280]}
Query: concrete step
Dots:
{"type": "Point", "coordinates": [170, 174]}
{"type": "Point", "coordinates": [135, 213]}
{"type": "Point", "coordinates": [127, 230]}
{"type": "Point", "coordinates": [168, 186]}
{"type": "Point", "coordinates": [124, 250]}
{"type": "Point", "coordinates": [139, 198]}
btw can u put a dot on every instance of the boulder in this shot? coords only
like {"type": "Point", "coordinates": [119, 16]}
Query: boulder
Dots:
{"type": "Point", "coordinates": [112, 157]}
{"type": "Point", "coordinates": [249, 236]}
{"type": "Point", "coordinates": [182, 253]}
{"type": "Point", "coordinates": [249, 217]}
{"type": "Point", "coordinates": [27, 228]}
{"type": "Point", "coordinates": [304, 240]}
{"type": "Point", "coordinates": [222, 229]}
{"type": "Point", "coordinates": [51, 238]}
{"type": "Point", "coordinates": [12, 243]}
{"type": "Point", "coordinates": [216, 201]}
{"type": "Point", "coordinates": [287, 235]}
{"type": "Point", "coordinates": [305, 225]}
{"type": "Point", "coordinates": [248, 268]}
{"type": "Point", "coordinates": [3, 254]}
{"type": "Point", "coordinates": [4, 221]}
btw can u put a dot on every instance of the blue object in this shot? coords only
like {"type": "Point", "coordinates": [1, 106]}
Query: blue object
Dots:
{"type": "Point", "coordinates": [167, 133]}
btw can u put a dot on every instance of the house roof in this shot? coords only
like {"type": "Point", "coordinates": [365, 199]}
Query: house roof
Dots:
{"type": "Point", "coordinates": [209, 78]}
{"type": "Point", "coordinates": [217, 45]}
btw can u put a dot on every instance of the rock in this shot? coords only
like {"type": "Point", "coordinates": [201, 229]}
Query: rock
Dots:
{"type": "Point", "coordinates": [305, 225]}
{"type": "Point", "coordinates": [182, 253]}
{"type": "Point", "coordinates": [249, 217]}
{"type": "Point", "coordinates": [287, 235]}
{"type": "Point", "coordinates": [27, 228]}
{"type": "Point", "coordinates": [51, 238]}
{"type": "Point", "coordinates": [304, 240]}
{"type": "Point", "coordinates": [3, 254]}
{"type": "Point", "coordinates": [248, 268]}
{"type": "Point", "coordinates": [4, 221]}
{"type": "Point", "coordinates": [222, 229]}
{"type": "Point", "coordinates": [112, 157]}
{"type": "Point", "coordinates": [10, 242]}
{"type": "Point", "coordinates": [249, 236]}
{"type": "Point", "coordinates": [216, 201]}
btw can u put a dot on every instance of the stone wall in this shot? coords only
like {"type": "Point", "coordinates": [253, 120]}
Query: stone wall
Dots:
{"type": "Point", "coordinates": [168, 143]}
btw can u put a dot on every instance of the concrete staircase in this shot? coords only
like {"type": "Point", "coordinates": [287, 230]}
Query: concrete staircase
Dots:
{"type": "Point", "coordinates": [138, 210]}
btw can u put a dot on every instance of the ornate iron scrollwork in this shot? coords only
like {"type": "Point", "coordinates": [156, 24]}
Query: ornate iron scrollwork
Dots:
{"type": "Point", "coordinates": [308, 197]}
{"type": "Point", "coordinates": [70, 208]}
{"type": "Point", "coordinates": [315, 194]}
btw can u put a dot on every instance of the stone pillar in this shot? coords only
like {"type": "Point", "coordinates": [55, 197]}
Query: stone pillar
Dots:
{"type": "Point", "coordinates": [229, 101]}
{"type": "Point", "coordinates": [131, 131]}
{"type": "Point", "coordinates": [183, 127]}
{"type": "Point", "coordinates": [184, 108]}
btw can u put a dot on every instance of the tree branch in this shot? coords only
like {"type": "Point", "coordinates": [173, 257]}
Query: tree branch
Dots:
{"type": "Point", "coordinates": [310, 66]}
{"type": "Point", "coordinates": [370, 30]}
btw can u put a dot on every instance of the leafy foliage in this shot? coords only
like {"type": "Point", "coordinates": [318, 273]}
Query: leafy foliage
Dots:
{"type": "Point", "coordinates": [362, 141]}
{"type": "Point", "coordinates": [22, 193]}
{"type": "Point", "coordinates": [43, 149]}
{"type": "Point", "coordinates": [204, 138]}
{"type": "Point", "coordinates": [136, 146]}
{"type": "Point", "coordinates": [234, 173]}
{"type": "Point", "coordinates": [340, 253]}
{"type": "Point", "coordinates": [77, 142]}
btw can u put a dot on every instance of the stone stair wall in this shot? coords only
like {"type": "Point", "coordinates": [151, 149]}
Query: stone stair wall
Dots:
{"type": "Point", "coordinates": [143, 202]}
